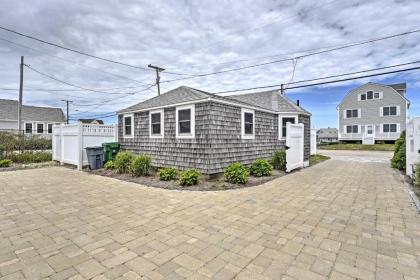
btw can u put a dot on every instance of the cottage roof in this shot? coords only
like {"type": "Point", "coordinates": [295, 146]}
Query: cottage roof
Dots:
{"type": "Point", "coordinates": [268, 100]}
{"type": "Point", "coordinates": [327, 132]}
{"type": "Point", "coordinates": [89, 121]}
{"type": "Point", "coordinates": [9, 111]}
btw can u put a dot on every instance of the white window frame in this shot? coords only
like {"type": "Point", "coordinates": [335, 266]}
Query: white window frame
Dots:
{"type": "Point", "coordinates": [358, 129]}
{"type": "Point", "coordinates": [162, 123]}
{"type": "Point", "coordinates": [397, 127]}
{"type": "Point", "coordinates": [397, 111]}
{"type": "Point", "coordinates": [52, 125]}
{"type": "Point", "coordinates": [36, 127]}
{"type": "Point", "coordinates": [32, 127]}
{"type": "Point", "coordinates": [185, 135]}
{"type": "Point", "coordinates": [243, 135]}
{"type": "Point", "coordinates": [280, 124]}
{"type": "Point", "coordinates": [132, 126]}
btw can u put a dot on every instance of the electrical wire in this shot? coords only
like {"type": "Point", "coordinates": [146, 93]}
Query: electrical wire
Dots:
{"type": "Point", "coordinates": [84, 53]}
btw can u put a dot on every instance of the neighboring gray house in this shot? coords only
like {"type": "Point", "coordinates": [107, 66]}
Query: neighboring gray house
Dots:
{"type": "Point", "coordinates": [373, 112]}
{"type": "Point", "coordinates": [90, 121]}
{"type": "Point", "coordinates": [327, 135]}
{"type": "Point", "coordinates": [190, 128]}
{"type": "Point", "coordinates": [35, 120]}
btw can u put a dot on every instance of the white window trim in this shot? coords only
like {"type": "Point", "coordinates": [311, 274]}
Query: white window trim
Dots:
{"type": "Point", "coordinates": [397, 111]}
{"type": "Point", "coordinates": [32, 127]}
{"type": "Point", "coordinates": [397, 128]}
{"type": "Point", "coordinates": [359, 113]}
{"type": "Point", "coordinates": [132, 126]}
{"type": "Point", "coordinates": [358, 129]}
{"type": "Point", "coordinates": [52, 125]}
{"type": "Point", "coordinates": [185, 135]}
{"type": "Point", "coordinates": [162, 124]}
{"type": "Point", "coordinates": [243, 135]}
{"type": "Point", "coordinates": [281, 137]}
{"type": "Point", "coordinates": [36, 128]}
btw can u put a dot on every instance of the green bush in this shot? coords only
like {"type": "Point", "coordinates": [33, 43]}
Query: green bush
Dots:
{"type": "Point", "coordinates": [279, 160]}
{"type": "Point", "coordinates": [261, 167]}
{"type": "Point", "coordinates": [123, 161]}
{"type": "Point", "coordinates": [167, 174]}
{"type": "Point", "coordinates": [109, 165]}
{"type": "Point", "coordinates": [29, 157]}
{"type": "Point", "coordinates": [140, 165]}
{"type": "Point", "coordinates": [2, 148]}
{"type": "Point", "coordinates": [417, 175]}
{"type": "Point", "coordinates": [5, 163]}
{"type": "Point", "coordinates": [236, 173]}
{"type": "Point", "coordinates": [189, 177]}
{"type": "Point", "coordinates": [398, 160]}
{"type": "Point", "coordinates": [12, 142]}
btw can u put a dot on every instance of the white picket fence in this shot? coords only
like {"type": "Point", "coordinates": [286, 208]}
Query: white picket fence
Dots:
{"type": "Point", "coordinates": [70, 140]}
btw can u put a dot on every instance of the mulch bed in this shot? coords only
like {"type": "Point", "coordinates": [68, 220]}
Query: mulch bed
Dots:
{"type": "Point", "coordinates": [216, 184]}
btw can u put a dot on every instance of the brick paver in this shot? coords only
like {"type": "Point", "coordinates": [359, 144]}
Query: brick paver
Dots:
{"type": "Point", "coordinates": [337, 220]}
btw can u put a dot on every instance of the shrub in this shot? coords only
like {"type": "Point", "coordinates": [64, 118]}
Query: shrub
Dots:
{"type": "Point", "coordinates": [123, 161]}
{"type": "Point", "coordinates": [14, 142]}
{"type": "Point", "coordinates": [109, 165]}
{"type": "Point", "coordinates": [140, 165]}
{"type": "Point", "coordinates": [167, 174]}
{"type": "Point", "coordinates": [279, 160]}
{"type": "Point", "coordinates": [398, 160]}
{"type": "Point", "coordinates": [261, 167]}
{"type": "Point", "coordinates": [417, 174]}
{"type": "Point", "coordinates": [189, 177]}
{"type": "Point", "coordinates": [30, 157]}
{"type": "Point", "coordinates": [236, 173]}
{"type": "Point", "coordinates": [5, 163]}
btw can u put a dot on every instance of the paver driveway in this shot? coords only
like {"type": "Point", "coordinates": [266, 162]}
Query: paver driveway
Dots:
{"type": "Point", "coordinates": [338, 220]}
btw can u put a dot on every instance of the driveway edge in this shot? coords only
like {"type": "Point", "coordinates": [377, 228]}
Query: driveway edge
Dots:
{"type": "Point", "coordinates": [410, 191]}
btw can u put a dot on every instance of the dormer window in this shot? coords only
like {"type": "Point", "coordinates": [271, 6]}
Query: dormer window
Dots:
{"type": "Point", "coordinates": [369, 94]}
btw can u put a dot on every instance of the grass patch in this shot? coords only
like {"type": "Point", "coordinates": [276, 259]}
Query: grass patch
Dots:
{"type": "Point", "coordinates": [357, 147]}
{"type": "Point", "coordinates": [314, 159]}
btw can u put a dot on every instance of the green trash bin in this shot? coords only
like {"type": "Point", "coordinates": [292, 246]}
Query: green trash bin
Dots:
{"type": "Point", "coordinates": [111, 149]}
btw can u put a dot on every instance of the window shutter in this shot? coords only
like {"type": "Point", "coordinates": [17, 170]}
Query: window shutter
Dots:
{"type": "Point", "coordinates": [359, 98]}
{"type": "Point", "coordinates": [381, 111]}
{"type": "Point", "coordinates": [344, 114]}
{"type": "Point", "coordinates": [359, 113]}
{"type": "Point", "coordinates": [359, 129]}
{"type": "Point", "coordinates": [381, 127]}
{"type": "Point", "coordinates": [381, 95]}
{"type": "Point", "coordinates": [398, 110]}
{"type": "Point", "coordinates": [398, 127]}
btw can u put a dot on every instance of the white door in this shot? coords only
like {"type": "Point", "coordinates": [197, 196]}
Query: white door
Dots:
{"type": "Point", "coordinates": [294, 146]}
{"type": "Point", "coordinates": [369, 130]}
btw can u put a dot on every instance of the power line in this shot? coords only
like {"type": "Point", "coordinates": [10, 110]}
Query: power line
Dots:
{"type": "Point", "coordinates": [298, 57]}
{"type": "Point", "coordinates": [83, 53]}
{"type": "Point", "coordinates": [70, 84]}
{"type": "Point", "coordinates": [323, 83]}
{"type": "Point", "coordinates": [69, 61]}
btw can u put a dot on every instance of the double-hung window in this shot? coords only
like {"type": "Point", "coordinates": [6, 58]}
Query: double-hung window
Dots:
{"type": "Point", "coordinates": [128, 126]}
{"type": "Point", "coordinates": [352, 113]}
{"type": "Point", "coordinates": [28, 128]}
{"type": "Point", "coordinates": [352, 129]}
{"type": "Point", "coordinates": [39, 128]}
{"type": "Point", "coordinates": [283, 120]}
{"type": "Point", "coordinates": [50, 128]}
{"type": "Point", "coordinates": [389, 111]}
{"type": "Point", "coordinates": [389, 127]}
{"type": "Point", "coordinates": [157, 124]}
{"type": "Point", "coordinates": [248, 124]}
{"type": "Point", "coordinates": [185, 121]}
{"type": "Point", "coordinates": [369, 94]}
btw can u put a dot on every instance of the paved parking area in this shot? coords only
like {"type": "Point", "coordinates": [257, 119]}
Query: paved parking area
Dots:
{"type": "Point", "coordinates": [336, 220]}
{"type": "Point", "coordinates": [359, 156]}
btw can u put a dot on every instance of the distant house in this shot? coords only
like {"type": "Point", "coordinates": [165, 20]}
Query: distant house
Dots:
{"type": "Point", "coordinates": [190, 128]}
{"type": "Point", "coordinates": [373, 112]}
{"type": "Point", "coordinates": [327, 135]}
{"type": "Point", "coordinates": [90, 121]}
{"type": "Point", "coordinates": [35, 120]}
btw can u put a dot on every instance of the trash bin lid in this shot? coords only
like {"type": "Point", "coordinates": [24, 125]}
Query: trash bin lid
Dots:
{"type": "Point", "coordinates": [94, 148]}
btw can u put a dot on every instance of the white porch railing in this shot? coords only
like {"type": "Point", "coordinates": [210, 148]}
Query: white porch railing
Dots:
{"type": "Point", "coordinates": [70, 140]}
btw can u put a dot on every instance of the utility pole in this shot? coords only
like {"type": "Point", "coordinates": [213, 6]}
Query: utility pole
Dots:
{"type": "Point", "coordinates": [281, 89]}
{"type": "Point", "coordinates": [20, 96]}
{"type": "Point", "coordinates": [158, 69]}
{"type": "Point", "coordinates": [67, 106]}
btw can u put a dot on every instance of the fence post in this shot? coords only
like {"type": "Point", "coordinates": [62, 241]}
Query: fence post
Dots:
{"type": "Point", "coordinates": [61, 145]}
{"type": "Point", "coordinates": [116, 132]}
{"type": "Point", "coordinates": [80, 145]}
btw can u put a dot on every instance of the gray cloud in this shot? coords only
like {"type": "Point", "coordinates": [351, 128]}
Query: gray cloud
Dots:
{"type": "Point", "coordinates": [195, 37]}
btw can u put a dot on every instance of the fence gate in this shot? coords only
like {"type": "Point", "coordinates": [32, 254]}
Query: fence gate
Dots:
{"type": "Point", "coordinates": [294, 142]}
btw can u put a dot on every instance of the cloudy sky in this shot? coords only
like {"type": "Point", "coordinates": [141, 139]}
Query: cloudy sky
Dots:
{"type": "Point", "coordinates": [192, 37]}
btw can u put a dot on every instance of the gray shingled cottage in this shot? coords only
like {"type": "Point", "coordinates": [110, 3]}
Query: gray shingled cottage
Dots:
{"type": "Point", "coordinates": [190, 128]}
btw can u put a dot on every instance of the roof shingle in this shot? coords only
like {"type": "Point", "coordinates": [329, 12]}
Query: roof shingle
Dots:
{"type": "Point", "coordinates": [9, 111]}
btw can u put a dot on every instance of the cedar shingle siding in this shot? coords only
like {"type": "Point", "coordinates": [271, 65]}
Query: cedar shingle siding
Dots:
{"type": "Point", "coordinates": [306, 120]}
{"type": "Point", "coordinates": [218, 141]}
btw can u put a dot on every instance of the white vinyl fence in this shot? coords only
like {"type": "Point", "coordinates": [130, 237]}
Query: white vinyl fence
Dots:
{"type": "Point", "coordinates": [70, 140]}
{"type": "Point", "coordinates": [412, 145]}
{"type": "Point", "coordinates": [295, 148]}
{"type": "Point", "coordinates": [313, 141]}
